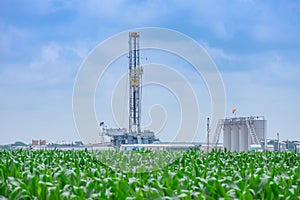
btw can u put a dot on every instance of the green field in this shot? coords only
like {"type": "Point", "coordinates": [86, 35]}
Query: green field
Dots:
{"type": "Point", "coordinates": [194, 175]}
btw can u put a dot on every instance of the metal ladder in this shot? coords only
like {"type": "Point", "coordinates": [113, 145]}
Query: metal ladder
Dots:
{"type": "Point", "coordinates": [251, 130]}
{"type": "Point", "coordinates": [218, 132]}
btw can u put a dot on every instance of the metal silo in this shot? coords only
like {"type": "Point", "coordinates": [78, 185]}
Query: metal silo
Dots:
{"type": "Point", "coordinates": [227, 137]}
{"type": "Point", "coordinates": [241, 132]}
{"type": "Point", "coordinates": [260, 128]}
{"type": "Point", "coordinates": [243, 138]}
{"type": "Point", "coordinates": [260, 125]}
{"type": "Point", "coordinates": [234, 137]}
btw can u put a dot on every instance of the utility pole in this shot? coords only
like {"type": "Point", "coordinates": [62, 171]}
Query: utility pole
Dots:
{"type": "Point", "coordinates": [278, 146]}
{"type": "Point", "coordinates": [207, 134]}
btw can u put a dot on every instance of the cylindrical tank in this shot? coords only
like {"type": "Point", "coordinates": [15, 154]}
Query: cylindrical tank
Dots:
{"type": "Point", "coordinates": [234, 138]}
{"type": "Point", "coordinates": [249, 139]}
{"type": "Point", "coordinates": [237, 135]}
{"type": "Point", "coordinates": [227, 137]}
{"type": "Point", "coordinates": [260, 128]}
{"type": "Point", "coordinates": [243, 138]}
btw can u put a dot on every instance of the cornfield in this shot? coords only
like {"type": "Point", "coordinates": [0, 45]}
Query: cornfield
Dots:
{"type": "Point", "coordinates": [60, 174]}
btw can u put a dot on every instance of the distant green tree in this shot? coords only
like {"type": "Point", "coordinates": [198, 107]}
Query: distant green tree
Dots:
{"type": "Point", "coordinates": [18, 143]}
{"type": "Point", "coordinates": [78, 143]}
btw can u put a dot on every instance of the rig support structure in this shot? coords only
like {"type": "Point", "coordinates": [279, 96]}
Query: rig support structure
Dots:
{"type": "Point", "coordinates": [134, 134]}
{"type": "Point", "coordinates": [135, 86]}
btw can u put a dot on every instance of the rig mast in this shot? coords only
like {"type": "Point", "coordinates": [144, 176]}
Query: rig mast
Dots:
{"type": "Point", "coordinates": [134, 135]}
{"type": "Point", "coordinates": [135, 86]}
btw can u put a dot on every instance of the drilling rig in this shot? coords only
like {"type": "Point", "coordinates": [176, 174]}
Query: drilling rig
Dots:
{"type": "Point", "coordinates": [135, 86]}
{"type": "Point", "coordinates": [134, 135]}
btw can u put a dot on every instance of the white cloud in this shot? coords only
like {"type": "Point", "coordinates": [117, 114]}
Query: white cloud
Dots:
{"type": "Point", "coordinates": [114, 13]}
{"type": "Point", "coordinates": [81, 48]}
{"type": "Point", "coordinates": [49, 53]}
{"type": "Point", "coordinates": [218, 53]}
{"type": "Point", "coordinates": [54, 64]}
{"type": "Point", "coordinates": [12, 38]}
{"type": "Point", "coordinates": [46, 7]}
{"type": "Point", "coordinates": [222, 31]}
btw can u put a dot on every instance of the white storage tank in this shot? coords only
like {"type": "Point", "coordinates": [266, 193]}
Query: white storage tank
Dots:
{"type": "Point", "coordinates": [241, 132]}
{"type": "Point", "coordinates": [234, 138]}
{"type": "Point", "coordinates": [243, 138]}
{"type": "Point", "coordinates": [260, 128]}
{"type": "Point", "coordinates": [227, 137]}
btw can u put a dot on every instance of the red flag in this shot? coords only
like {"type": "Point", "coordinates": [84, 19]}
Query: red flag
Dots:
{"type": "Point", "coordinates": [233, 110]}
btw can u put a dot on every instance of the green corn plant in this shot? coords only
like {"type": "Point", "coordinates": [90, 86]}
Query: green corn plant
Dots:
{"type": "Point", "coordinates": [57, 174]}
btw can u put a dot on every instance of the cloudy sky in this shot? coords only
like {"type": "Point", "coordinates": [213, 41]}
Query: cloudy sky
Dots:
{"type": "Point", "coordinates": [255, 45]}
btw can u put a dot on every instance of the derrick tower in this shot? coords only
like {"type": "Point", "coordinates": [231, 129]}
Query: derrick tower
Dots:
{"type": "Point", "coordinates": [134, 135]}
{"type": "Point", "coordinates": [135, 86]}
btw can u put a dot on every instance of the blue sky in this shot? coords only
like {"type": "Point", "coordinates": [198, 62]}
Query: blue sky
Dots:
{"type": "Point", "coordinates": [255, 45]}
